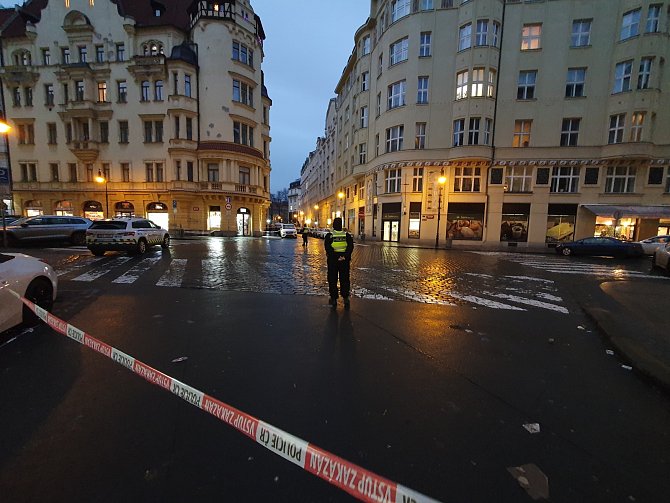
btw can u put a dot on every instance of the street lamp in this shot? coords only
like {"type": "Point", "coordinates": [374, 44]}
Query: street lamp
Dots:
{"type": "Point", "coordinates": [340, 196]}
{"type": "Point", "coordinates": [101, 179]}
{"type": "Point", "coordinates": [4, 129]}
{"type": "Point", "coordinates": [441, 181]}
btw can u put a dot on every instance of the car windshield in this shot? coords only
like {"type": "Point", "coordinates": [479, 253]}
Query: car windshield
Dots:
{"type": "Point", "coordinates": [109, 225]}
{"type": "Point", "coordinates": [19, 221]}
{"type": "Point", "coordinates": [289, 226]}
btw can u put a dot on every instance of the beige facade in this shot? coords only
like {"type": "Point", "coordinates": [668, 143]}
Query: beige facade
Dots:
{"type": "Point", "coordinates": [166, 102]}
{"type": "Point", "coordinates": [548, 121]}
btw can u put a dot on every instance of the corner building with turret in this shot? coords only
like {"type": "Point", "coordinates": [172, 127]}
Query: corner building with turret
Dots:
{"type": "Point", "coordinates": [146, 108]}
{"type": "Point", "coordinates": [504, 123]}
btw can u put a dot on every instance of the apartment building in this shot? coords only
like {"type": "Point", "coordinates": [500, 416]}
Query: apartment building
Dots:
{"type": "Point", "coordinates": [153, 109]}
{"type": "Point", "coordinates": [505, 123]}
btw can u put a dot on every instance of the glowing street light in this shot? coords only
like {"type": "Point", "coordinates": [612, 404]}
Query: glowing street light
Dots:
{"type": "Point", "coordinates": [4, 129]}
{"type": "Point", "coordinates": [101, 179]}
{"type": "Point", "coordinates": [441, 182]}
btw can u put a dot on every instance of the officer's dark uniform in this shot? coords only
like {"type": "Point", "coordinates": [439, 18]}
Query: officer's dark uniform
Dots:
{"type": "Point", "coordinates": [339, 246]}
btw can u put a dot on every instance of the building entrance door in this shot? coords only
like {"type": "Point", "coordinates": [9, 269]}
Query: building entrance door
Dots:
{"type": "Point", "coordinates": [391, 230]}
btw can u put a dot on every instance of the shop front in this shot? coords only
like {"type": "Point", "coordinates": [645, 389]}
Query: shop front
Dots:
{"type": "Point", "coordinates": [93, 210]}
{"type": "Point", "coordinates": [515, 220]}
{"type": "Point", "coordinates": [465, 221]}
{"type": "Point", "coordinates": [33, 208]}
{"type": "Point", "coordinates": [391, 222]}
{"type": "Point", "coordinates": [561, 221]}
{"type": "Point", "coordinates": [630, 222]}
{"type": "Point", "coordinates": [124, 209]}
{"type": "Point", "coordinates": [64, 209]}
{"type": "Point", "coordinates": [157, 212]}
{"type": "Point", "coordinates": [243, 222]}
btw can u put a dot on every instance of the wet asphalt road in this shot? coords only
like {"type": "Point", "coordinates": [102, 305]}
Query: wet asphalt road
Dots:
{"type": "Point", "coordinates": [427, 380]}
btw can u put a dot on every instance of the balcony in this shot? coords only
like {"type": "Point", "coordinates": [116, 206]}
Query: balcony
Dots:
{"type": "Point", "coordinates": [17, 76]}
{"type": "Point", "coordinates": [182, 144]}
{"type": "Point", "coordinates": [85, 150]}
{"type": "Point", "coordinates": [148, 67]}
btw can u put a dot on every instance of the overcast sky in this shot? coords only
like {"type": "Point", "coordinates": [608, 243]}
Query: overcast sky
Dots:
{"type": "Point", "coordinates": [307, 45]}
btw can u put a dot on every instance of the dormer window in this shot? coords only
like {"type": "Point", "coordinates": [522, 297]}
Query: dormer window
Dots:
{"type": "Point", "coordinates": [152, 48]}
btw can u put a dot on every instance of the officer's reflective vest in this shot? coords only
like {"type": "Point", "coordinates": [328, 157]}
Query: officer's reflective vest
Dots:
{"type": "Point", "coordinates": [339, 241]}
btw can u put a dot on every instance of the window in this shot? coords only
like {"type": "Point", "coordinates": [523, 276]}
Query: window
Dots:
{"type": "Point", "coordinates": [526, 87]}
{"type": "Point", "coordinates": [488, 128]}
{"type": "Point", "coordinates": [644, 75]}
{"type": "Point", "coordinates": [564, 179]}
{"type": "Point", "coordinates": [365, 81]}
{"type": "Point", "coordinates": [420, 138]}
{"type": "Point", "coordinates": [104, 132]}
{"type": "Point", "coordinates": [616, 128]}
{"type": "Point", "coordinates": [380, 65]}
{"type": "Point", "coordinates": [243, 54]}
{"type": "Point", "coordinates": [495, 33]}
{"type": "Point", "coordinates": [399, 9]}
{"type": "Point", "coordinates": [99, 54]}
{"type": "Point", "coordinates": [79, 90]}
{"type": "Point", "coordinates": [417, 180]}
{"type": "Point", "coordinates": [158, 90]}
{"type": "Point", "coordinates": [581, 33]}
{"type": "Point", "coordinates": [175, 82]}
{"type": "Point", "coordinates": [52, 138]}
{"type": "Point", "coordinates": [530, 37]}
{"type": "Point", "coordinates": [46, 56]}
{"type": "Point", "coordinates": [398, 51]}
{"type": "Point", "coordinates": [630, 24]}
{"type": "Point", "coordinates": [521, 133]}
{"type": "Point", "coordinates": [68, 132]}
{"type": "Point", "coordinates": [66, 94]}
{"type": "Point", "coordinates": [653, 18]}
{"type": "Point", "coordinates": [465, 37]}
{"type": "Point", "coordinates": [364, 116]}
{"type": "Point", "coordinates": [622, 74]}
{"type": "Point", "coordinates": [148, 131]}
{"type": "Point", "coordinates": [481, 35]}
{"type": "Point", "coordinates": [245, 176]}
{"type": "Point", "coordinates": [459, 132]}
{"type": "Point", "coordinates": [396, 95]}
{"type": "Point", "coordinates": [620, 180]}
{"type": "Point", "coordinates": [518, 178]}
{"type": "Point", "coordinates": [636, 124]}
{"type": "Point", "coordinates": [362, 153]}
{"type": "Point", "coordinates": [102, 92]}
{"type": "Point", "coordinates": [570, 132]}
{"type": "Point", "coordinates": [424, 44]}
{"type": "Point", "coordinates": [422, 90]}
{"type": "Point", "coordinates": [176, 126]}
{"type": "Point", "coordinates": [473, 131]}
{"type": "Point", "coordinates": [187, 85]}
{"type": "Point", "coordinates": [243, 134]}
{"type": "Point", "coordinates": [149, 169]}
{"type": "Point", "coordinates": [28, 172]}
{"type": "Point", "coordinates": [467, 179]}
{"type": "Point", "coordinates": [426, 5]}
{"type": "Point", "coordinates": [365, 45]}
{"type": "Point", "coordinates": [72, 171]}
{"type": "Point", "coordinates": [394, 137]}
{"type": "Point", "coordinates": [393, 180]}
{"type": "Point", "coordinates": [491, 86]}
{"type": "Point", "coordinates": [122, 91]}
{"type": "Point", "coordinates": [120, 52]}
{"type": "Point", "coordinates": [53, 168]}
{"type": "Point", "coordinates": [477, 88]}
{"type": "Point", "coordinates": [145, 90]}
{"type": "Point", "coordinates": [574, 83]}
{"type": "Point", "coordinates": [462, 85]}
{"type": "Point", "coordinates": [189, 128]}
{"type": "Point", "coordinates": [125, 171]}
{"type": "Point", "coordinates": [123, 132]}
{"type": "Point", "coordinates": [65, 55]}
{"type": "Point", "coordinates": [83, 54]}
{"type": "Point", "coordinates": [158, 130]}
{"type": "Point", "coordinates": [379, 104]}
{"type": "Point", "coordinates": [243, 93]}
{"type": "Point", "coordinates": [28, 93]}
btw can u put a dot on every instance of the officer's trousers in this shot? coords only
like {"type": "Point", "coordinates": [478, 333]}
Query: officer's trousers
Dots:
{"type": "Point", "coordinates": [338, 268]}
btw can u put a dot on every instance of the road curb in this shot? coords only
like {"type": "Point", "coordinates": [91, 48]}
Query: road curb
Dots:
{"type": "Point", "coordinates": [631, 349]}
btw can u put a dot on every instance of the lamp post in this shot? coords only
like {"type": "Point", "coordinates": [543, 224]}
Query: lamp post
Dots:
{"type": "Point", "coordinates": [102, 179]}
{"type": "Point", "coordinates": [4, 129]}
{"type": "Point", "coordinates": [340, 196]}
{"type": "Point", "coordinates": [441, 181]}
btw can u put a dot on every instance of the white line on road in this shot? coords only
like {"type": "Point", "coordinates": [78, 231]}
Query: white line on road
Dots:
{"type": "Point", "coordinates": [175, 273]}
{"type": "Point", "coordinates": [137, 270]}
{"type": "Point", "coordinates": [102, 270]}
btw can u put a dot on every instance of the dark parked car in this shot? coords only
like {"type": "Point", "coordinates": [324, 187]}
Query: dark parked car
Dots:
{"type": "Point", "coordinates": [601, 246]}
{"type": "Point", "coordinates": [48, 228]}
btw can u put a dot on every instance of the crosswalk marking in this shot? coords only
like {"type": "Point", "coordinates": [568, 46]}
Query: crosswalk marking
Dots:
{"type": "Point", "coordinates": [102, 270]}
{"type": "Point", "coordinates": [175, 273]}
{"type": "Point", "coordinates": [135, 272]}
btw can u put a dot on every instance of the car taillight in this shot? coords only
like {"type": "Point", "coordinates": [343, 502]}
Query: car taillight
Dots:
{"type": "Point", "coordinates": [128, 233]}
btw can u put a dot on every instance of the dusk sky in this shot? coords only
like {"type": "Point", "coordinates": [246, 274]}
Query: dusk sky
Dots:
{"type": "Point", "coordinates": [308, 43]}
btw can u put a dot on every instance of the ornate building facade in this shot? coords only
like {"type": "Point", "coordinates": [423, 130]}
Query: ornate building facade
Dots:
{"type": "Point", "coordinates": [505, 123]}
{"type": "Point", "coordinates": [147, 108]}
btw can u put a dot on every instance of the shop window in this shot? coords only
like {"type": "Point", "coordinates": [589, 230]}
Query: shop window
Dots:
{"type": "Point", "coordinates": [465, 221]}
{"type": "Point", "coordinates": [514, 226]}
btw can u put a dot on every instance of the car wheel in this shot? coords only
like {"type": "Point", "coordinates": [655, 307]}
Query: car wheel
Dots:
{"type": "Point", "coordinates": [97, 252]}
{"type": "Point", "coordinates": [166, 242]}
{"type": "Point", "coordinates": [39, 291]}
{"type": "Point", "coordinates": [78, 239]}
{"type": "Point", "coordinates": [141, 247]}
{"type": "Point", "coordinates": [566, 251]}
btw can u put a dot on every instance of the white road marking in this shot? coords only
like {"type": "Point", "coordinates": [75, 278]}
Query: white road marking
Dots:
{"type": "Point", "coordinates": [528, 302]}
{"type": "Point", "coordinates": [102, 270]}
{"type": "Point", "coordinates": [175, 273]}
{"type": "Point", "coordinates": [484, 302]}
{"type": "Point", "coordinates": [135, 272]}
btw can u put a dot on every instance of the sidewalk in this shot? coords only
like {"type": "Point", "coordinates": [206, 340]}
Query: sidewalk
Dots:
{"type": "Point", "coordinates": [635, 323]}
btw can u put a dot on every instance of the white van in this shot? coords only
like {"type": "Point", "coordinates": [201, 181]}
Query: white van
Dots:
{"type": "Point", "coordinates": [287, 231]}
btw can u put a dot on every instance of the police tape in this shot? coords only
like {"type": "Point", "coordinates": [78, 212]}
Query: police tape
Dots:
{"type": "Point", "coordinates": [349, 477]}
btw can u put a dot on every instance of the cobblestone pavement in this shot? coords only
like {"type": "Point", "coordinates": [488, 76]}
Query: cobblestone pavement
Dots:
{"type": "Point", "coordinates": [508, 281]}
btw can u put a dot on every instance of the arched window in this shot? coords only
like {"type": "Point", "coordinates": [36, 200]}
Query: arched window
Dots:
{"type": "Point", "coordinates": [158, 90]}
{"type": "Point", "coordinates": [23, 58]}
{"type": "Point", "coordinates": [152, 48]}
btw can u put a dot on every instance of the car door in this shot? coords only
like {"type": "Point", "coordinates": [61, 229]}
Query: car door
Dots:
{"type": "Point", "coordinates": [33, 229]}
{"type": "Point", "coordinates": [156, 233]}
{"type": "Point", "coordinates": [57, 228]}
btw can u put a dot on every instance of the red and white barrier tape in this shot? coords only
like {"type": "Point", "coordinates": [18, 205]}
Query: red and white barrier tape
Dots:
{"type": "Point", "coordinates": [360, 483]}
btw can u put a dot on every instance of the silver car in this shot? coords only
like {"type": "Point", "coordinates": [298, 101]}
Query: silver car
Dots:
{"type": "Point", "coordinates": [48, 228]}
{"type": "Point", "coordinates": [133, 235]}
{"type": "Point", "coordinates": [650, 245]}
{"type": "Point", "coordinates": [662, 258]}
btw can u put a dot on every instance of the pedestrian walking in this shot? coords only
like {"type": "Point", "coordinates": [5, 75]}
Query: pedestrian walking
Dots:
{"type": "Point", "coordinates": [305, 236]}
{"type": "Point", "coordinates": [339, 245]}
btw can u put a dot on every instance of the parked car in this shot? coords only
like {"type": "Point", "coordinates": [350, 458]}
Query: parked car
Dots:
{"type": "Point", "coordinates": [287, 231]}
{"type": "Point", "coordinates": [9, 219]}
{"type": "Point", "coordinates": [48, 228]}
{"type": "Point", "coordinates": [29, 277]}
{"type": "Point", "coordinates": [662, 258]}
{"type": "Point", "coordinates": [603, 246]}
{"type": "Point", "coordinates": [133, 235]}
{"type": "Point", "coordinates": [650, 245]}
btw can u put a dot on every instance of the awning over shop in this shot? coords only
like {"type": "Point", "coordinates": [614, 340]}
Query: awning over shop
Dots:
{"type": "Point", "coordinates": [619, 211]}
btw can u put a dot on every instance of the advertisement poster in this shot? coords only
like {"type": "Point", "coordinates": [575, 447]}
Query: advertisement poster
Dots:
{"type": "Point", "coordinates": [514, 228]}
{"type": "Point", "coordinates": [560, 228]}
{"type": "Point", "coordinates": [465, 228]}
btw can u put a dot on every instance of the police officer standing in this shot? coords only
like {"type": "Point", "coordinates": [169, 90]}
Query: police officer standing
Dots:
{"type": "Point", "coordinates": [339, 246]}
